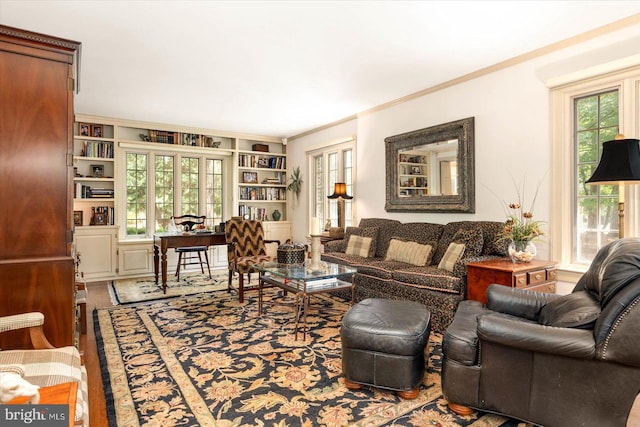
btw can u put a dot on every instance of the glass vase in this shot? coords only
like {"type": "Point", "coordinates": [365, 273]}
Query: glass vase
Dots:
{"type": "Point", "coordinates": [522, 251]}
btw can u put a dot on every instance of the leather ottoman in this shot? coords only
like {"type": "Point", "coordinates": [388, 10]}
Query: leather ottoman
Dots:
{"type": "Point", "coordinates": [383, 344]}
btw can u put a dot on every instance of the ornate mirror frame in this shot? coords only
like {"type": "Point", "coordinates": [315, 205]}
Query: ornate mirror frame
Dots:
{"type": "Point", "coordinates": [464, 200]}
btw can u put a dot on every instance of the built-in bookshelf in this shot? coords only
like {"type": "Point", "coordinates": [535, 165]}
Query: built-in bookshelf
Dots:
{"type": "Point", "coordinates": [94, 174]}
{"type": "Point", "coordinates": [262, 180]}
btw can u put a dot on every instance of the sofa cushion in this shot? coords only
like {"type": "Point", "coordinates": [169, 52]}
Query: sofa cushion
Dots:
{"type": "Point", "coordinates": [421, 232]}
{"type": "Point", "coordinates": [448, 234]}
{"type": "Point", "coordinates": [472, 240]}
{"type": "Point", "coordinates": [454, 252]}
{"type": "Point", "coordinates": [410, 252]}
{"type": "Point", "coordinates": [50, 367]}
{"type": "Point", "coordinates": [371, 232]}
{"type": "Point", "coordinates": [387, 228]}
{"type": "Point", "coordinates": [358, 245]}
{"type": "Point", "coordinates": [576, 310]}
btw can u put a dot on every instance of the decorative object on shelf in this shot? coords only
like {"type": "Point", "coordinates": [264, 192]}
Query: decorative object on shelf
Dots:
{"type": "Point", "coordinates": [84, 129]}
{"type": "Point", "coordinates": [520, 228]}
{"type": "Point", "coordinates": [96, 131]}
{"type": "Point", "coordinates": [327, 225]}
{"type": "Point", "coordinates": [77, 218]}
{"type": "Point", "coordinates": [522, 251]}
{"type": "Point", "coordinates": [144, 138]}
{"type": "Point", "coordinates": [295, 186]}
{"type": "Point", "coordinates": [340, 193]}
{"type": "Point", "coordinates": [276, 215]}
{"type": "Point", "coordinates": [260, 147]}
{"type": "Point", "coordinates": [619, 165]}
{"type": "Point", "coordinates": [97, 171]}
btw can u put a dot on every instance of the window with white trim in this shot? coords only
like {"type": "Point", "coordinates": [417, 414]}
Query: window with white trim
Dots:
{"type": "Point", "coordinates": [175, 187]}
{"type": "Point", "coordinates": [585, 114]}
{"type": "Point", "coordinates": [328, 165]}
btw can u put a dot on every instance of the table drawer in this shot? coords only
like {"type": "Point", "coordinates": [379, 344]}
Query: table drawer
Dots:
{"type": "Point", "coordinates": [536, 277]}
{"type": "Point", "coordinates": [549, 288]}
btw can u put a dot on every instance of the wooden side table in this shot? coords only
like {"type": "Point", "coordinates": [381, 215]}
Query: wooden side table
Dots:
{"type": "Point", "coordinates": [61, 394]}
{"type": "Point", "coordinates": [537, 275]}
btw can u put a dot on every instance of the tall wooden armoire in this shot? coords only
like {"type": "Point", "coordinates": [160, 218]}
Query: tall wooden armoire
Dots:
{"type": "Point", "coordinates": [36, 174]}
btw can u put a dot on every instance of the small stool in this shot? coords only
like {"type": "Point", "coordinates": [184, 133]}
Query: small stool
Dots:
{"type": "Point", "coordinates": [383, 343]}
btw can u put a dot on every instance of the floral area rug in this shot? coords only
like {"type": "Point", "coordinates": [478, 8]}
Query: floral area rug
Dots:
{"type": "Point", "coordinates": [209, 360]}
{"type": "Point", "coordinates": [145, 289]}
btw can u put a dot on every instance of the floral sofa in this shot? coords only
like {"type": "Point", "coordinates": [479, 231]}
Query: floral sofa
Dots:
{"type": "Point", "coordinates": [440, 283]}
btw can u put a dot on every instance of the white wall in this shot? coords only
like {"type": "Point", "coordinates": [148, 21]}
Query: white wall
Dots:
{"type": "Point", "coordinates": [512, 134]}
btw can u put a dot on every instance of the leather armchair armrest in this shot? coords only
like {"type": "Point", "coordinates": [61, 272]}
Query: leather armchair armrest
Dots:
{"type": "Point", "coordinates": [517, 302]}
{"type": "Point", "coordinates": [529, 336]}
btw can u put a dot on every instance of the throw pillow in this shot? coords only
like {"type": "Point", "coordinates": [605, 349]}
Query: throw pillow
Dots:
{"type": "Point", "coordinates": [472, 240]}
{"type": "Point", "coordinates": [576, 310]}
{"type": "Point", "coordinates": [410, 252]}
{"type": "Point", "coordinates": [358, 246]}
{"type": "Point", "coordinates": [371, 232]}
{"type": "Point", "coordinates": [451, 256]}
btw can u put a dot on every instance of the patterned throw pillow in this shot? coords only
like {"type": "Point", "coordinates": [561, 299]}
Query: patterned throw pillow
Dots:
{"type": "Point", "coordinates": [371, 232]}
{"type": "Point", "coordinates": [358, 245]}
{"type": "Point", "coordinates": [472, 240]}
{"type": "Point", "coordinates": [410, 252]}
{"type": "Point", "coordinates": [453, 254]}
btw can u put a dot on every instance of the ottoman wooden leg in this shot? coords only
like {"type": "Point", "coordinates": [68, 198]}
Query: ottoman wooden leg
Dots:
{"type": "Point", "coordinates": [351, 385]}
{"type": "Point", "coordinates": [409, 394]}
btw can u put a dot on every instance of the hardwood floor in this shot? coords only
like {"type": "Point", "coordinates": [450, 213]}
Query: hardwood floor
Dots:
{"type": "Point", "coordinates": [99, 298]}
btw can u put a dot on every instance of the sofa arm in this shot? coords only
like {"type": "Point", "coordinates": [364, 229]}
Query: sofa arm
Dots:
{"type": "Point", "coordinates": [460, 267]}
{"type": "Point", "coordinates": [529, 336]}
{"type": "Point", "coordinates": [517, 302]}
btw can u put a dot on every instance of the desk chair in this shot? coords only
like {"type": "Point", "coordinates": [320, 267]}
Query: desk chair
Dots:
{"type": "Point", "coordinates": [187, 256]}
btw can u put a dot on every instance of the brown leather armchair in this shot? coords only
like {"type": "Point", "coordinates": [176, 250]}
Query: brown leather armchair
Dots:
{"type": "Point", "coordinates": [552, 360]}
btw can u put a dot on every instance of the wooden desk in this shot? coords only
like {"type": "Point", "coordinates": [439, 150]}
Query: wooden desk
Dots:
{"type": "Point", "coordinates": [537, 275]}
{"type": "Point", "coordinates": [164, 241]}
{"type": "Point", "coordinates": [61, 394]}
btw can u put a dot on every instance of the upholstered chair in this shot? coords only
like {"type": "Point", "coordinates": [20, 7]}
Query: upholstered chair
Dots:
{"type": "Point", "coordinates": [552, 360]}
{"type": "Point", "coordinates": [245, 247]}
{"type": "Point", "coordinates": [45, 365]}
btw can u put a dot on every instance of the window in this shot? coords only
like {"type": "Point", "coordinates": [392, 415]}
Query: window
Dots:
{"type": "Point", "coordinates": [136, 206]}
{"type": "Point", "coordinates": [586, 113]}
{"type": "Point", "coordinates": [175, 187]}
{"type": "Point", "coordinates": [190, 178]}
{"type": "Point", "coordinates": [164, 191]}
{"type": "Point", "coordinates": [214, 192]}
{"type": "Point", "coordinates": [596, 206]}
{"type": "Point", "coordinates": [328, 165]}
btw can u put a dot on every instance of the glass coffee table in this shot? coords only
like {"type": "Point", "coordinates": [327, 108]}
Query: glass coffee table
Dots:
{"type": "Point", "coordinates": [304, 282]}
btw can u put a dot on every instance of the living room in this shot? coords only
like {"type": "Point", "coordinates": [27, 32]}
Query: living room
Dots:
{"type": "Point", "coordinates": [522, 127]}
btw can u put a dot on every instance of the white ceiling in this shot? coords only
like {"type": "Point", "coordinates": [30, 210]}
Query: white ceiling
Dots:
{"type": "Point", "coordinates": [280, 68]}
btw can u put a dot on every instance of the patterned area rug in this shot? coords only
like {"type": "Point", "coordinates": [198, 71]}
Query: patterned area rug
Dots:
{"type": "Point", "coordinates": [208, 360]}
{"type": "Point", "coordinates": [145, 289]}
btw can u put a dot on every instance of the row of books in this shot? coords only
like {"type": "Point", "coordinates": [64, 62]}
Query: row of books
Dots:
{"type": "Point", "coordinates": [252, 212]}
{"type": "Point", "coordinates": [258, 161]}
{"type": "Point", "coordinates": [189, 139]}
{"type": "Point", "coordinates": [262, 193]}
{"type": "Point", "coordinates": [83, 191]}
{"type": "Point", "coordinates": [97, 149]}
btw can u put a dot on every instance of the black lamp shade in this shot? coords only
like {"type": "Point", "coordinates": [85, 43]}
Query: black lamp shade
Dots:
{"type": "Point", "coordinates": [620, 162]}
{"type": "Point", "coordinates": [340, 190]}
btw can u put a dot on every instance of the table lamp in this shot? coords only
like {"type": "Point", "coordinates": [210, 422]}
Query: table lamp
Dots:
{"type": "Point", "coordinates": [340, 193]}
{"type": "Point", "coordinates": [619, 165]}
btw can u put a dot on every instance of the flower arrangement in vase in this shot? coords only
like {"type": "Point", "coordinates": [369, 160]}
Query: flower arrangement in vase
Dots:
{"type": "Point", "coordinates": [521, 229]}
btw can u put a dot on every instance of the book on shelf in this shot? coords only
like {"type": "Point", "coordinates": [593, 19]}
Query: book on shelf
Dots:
{"type": "Point", "coordinates": [322, 283]}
